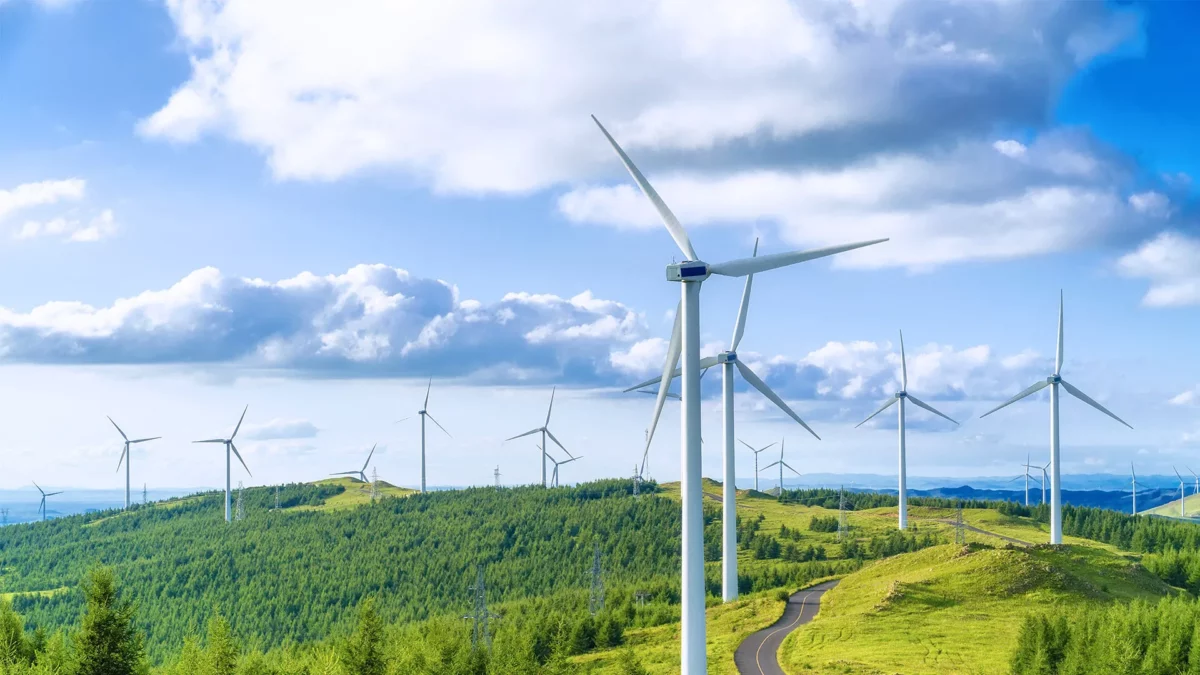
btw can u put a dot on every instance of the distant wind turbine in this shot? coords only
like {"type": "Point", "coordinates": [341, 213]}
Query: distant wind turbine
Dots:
{"type": "Point", "coordinates": [230, 448]}
{"type": "Point", "coordinates": [1054, 381]}
{"type": "Point", "coordinates": [781, 464]}
{"type": "Point", "coordinates": [755, 459]}
{"type": "Point", "coordinates": [544, 430]}
{"type": "Point", "coordinates": [1134, 493]}
{"type": "Point", "coordinates": [1182, 494]}
{"type": "Point", "coordinates": [126, 457]}
{"type": "Point", "coordinates": [554, 477]}
{"type": "Point", "coordinates": [423, 413]}
{"type": "Point", "coordinates": [1196, 488]}
{"type": "Point", "coordinates": [361, 473]}
{"type": "Point", "coordinates": [42, 506]}
{"type": "Point", "coordinates": [902, 396]}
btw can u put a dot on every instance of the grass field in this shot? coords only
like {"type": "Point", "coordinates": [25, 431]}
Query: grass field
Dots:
{"type": "Point", "coordinates": [357, 493]}
{"type": "Point", "coordinates": [1171, 509]}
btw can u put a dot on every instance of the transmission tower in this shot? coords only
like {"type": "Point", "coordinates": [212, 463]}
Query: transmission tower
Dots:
{"type": "Point", "coordinates": [641, 596]}
{"type": "Point", "coordinates": [960, 532]}
{"type": "Point", "coordinates": [843, 520]}
{"type": "Point", "coordinates": [4, 516]}
{"type": "Point", "coordinates": [596, 601]}
{"type": "Point", "coordinates": [240, 511]}
{"type": "Point", "coordinates": [497, 476]}
{"type": "Point", "coordinates": [276, 497]}
{"type": "Point", "coordinates": [374, 485]}
{"type": "Point", "coordinates": [144, 494]}
{"type": "Point", "coordinates": [479, 614]}
{"type": "Point", "coordinates": [637, 480]}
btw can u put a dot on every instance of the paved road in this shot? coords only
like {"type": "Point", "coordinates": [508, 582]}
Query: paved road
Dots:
{"type": "Point", "coordinates": [758, 654]}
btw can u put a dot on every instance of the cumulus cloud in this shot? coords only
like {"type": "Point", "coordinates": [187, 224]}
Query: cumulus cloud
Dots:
{"type": "Point", "coordinates": [1171, 263]}
{"type": "Point", "coordinates": [43, 193]}
{"type": "Point", "coordinates": [70, 229]}
{"type": "Point", "coordinates": [1186, 398]}
{"type": "Point", "coordinates": [280, 429]}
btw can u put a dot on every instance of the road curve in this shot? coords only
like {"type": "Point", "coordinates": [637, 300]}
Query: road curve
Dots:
{"type": "Point", "coordinates": [759, 653]}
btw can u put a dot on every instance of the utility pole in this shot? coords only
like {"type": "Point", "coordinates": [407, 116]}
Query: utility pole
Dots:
{"type": "Point", "coordinates": [240, 511]}
{"type": "Point", "coordinates": [641, 596]}
{"type": "Point", "coordinates": [480, 614]}
{"type": "Point", "coordinates": [596, 601]}
{"type": "Point", "coordinates": [497, 476]}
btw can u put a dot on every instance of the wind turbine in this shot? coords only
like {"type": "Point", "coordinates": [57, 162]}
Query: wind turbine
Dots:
{"type": "Point", "coordinates": [424, 412]}
{"type": "Point", "coordinates": [1045, 479]}
{"type": "Point", "coordinates": [230, 448]}
{"type": "Point", "coordinates": [901, 396]}
{"type": "Point", "coordinates": [126, 457]}
{"type": "Point", "coordinates": [755, 459]}
{"type": "Point", "coordinates": [1026, 476]}
{"type": "Point", "coordinates": [728, 360]}
{"type": "Point", "coordinates": [685, 343]}
{"type": "Point", "coordinates": [781, 465]}
{"type": "Point", "coordinates": [42, 506]}
{"type": "Point", "coordinates": [554, 478]}
{"type": "Point", "coordinates": [545, 431]}
{"type": "Point", "coordinates": [1182, 494]}
{"type": "Point", "coordinates": [361, 473]}
{"type": "Point", "coordinates": [1196, 488]}
{"type": "Point", "coordinates": [1134, 494]}
{"type": "Point", "coordinates": [1054, 381]}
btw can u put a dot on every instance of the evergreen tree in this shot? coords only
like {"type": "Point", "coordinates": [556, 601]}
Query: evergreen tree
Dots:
{"type": "Point", "coordinates": [107, 642]}
{"type": "Point", "coordinates": [362, 654]}
{"type": "Point", "coordinates": [221, 652]}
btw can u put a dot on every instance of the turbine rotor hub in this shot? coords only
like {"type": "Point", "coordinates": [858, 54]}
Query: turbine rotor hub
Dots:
{"type": "Point", "coordinates": [1054, 379]}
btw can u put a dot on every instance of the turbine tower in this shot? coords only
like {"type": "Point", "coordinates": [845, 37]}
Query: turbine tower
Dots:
{"type": "Point", "coordinates": [1182, 494]}
{"type": "Point", "coordinates": [1134, 493]}
{"type": "Point", "coordinates": [728, 360]}
{"type": "Point", "coordinates": [902, 396]}
{"type": "Point", "coordinates": [361, 473]}
{"type": "Point", "coordinates": [685, 343]}
{"type": "Point", "coordinates": [1196, 487]}
{"type": "Point", "coordinates": [423, 413]}
{"type": "Point", "coordinates": [755, 459]}
{"type": "Point", "coordinates": [545, 431]}
{"type": "Point", "coordinates": [1054, 381]}
{"type": "Point", "coordinates": [781, 464]}
{"type": "Point", "coordinates": [125, 457]}
{"type": "Point", "coordinates": [42, 506]}
{"type": "Point", "coordinates": [230, 448]}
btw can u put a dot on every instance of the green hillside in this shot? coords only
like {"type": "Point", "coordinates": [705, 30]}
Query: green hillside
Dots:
{"type": "Point", "coordinates": [1171, 509]}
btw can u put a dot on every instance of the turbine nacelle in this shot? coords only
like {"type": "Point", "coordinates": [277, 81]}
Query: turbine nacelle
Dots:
{"type": "Point", "coordinates": [727, 357]}
{"type": "Point", "coordinates": [690, 270]}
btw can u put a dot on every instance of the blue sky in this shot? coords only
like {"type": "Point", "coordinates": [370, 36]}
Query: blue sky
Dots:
{"type": "Point", "coordinates": [207, 204]}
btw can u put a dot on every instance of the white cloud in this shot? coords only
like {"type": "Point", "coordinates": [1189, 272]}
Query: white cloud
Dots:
{"type": "Point", "coordinates": [1171, 262]}
{"type": "Point", "coordinates": [1010, 148]}
{"type": "Point", "coordinates": [643, 356]}
{"type": "Point", "coordinates": [373, 84]}
{"type": "Point", "coordinates": [280, 429]}
{"type": "Point", "coordinates": [1189, 397]}
{"type": "Point", "coordinates": [69, 229]}
{"type": "Point", "coordinates": [43, 193]}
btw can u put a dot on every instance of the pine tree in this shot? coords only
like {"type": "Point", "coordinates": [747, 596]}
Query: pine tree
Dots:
{"type": "Point", "coordinates": [107, 642]}
{"type": "Point", "coordinates": [221, 652]}
{"type": "Point", "coordinates": [362, 654]}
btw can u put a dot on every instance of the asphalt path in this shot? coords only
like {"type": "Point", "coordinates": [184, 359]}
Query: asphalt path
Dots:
{"type": "Point", "coordinates": [759, 653]}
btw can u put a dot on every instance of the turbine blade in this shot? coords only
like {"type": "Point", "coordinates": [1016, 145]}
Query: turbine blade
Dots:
{"type": "Point", "coordinates": [118, 428]}
{"type": "Point", "coordinates": [527, 433]}
{"type": "Point", "coordinates": [551, 408]}
{"type": "Point", "coordinates": [743, 266]}
{"type": "Point", "coordinates": [558, 444]}
{"type": "Point", "coordinates": [1177, 474]}
{"type": "Point", "coordinates": [1033, 388]}
{"type": "Point", "coordinates": [427, 388]}
{"type": "Point", "coordinates": [674, 347]}
{"type": "Point", "coordinates": [123, 453]}
{"type": "Point", "coordinates": [1058, 354]}
{"type": "Point", "coordinates": [930, 408]}
{"type": "Point", "coordinates": [747, 445]}
{"type": "Point", "coordinates": [885, 406]}
{"type": "Point", "coordinates": [51, 494]}
{"type": "Point", "coordinates": [369, 456]}
{"type": "Point", "coordinates": [771, 465]}
{"type": "Point", "coordinates": [346, 473]}
{"type": "Point", "coordinates": [239, 424]}
{"type": "Point", "coordinates": [678, 233]}
{"type": "Point", "coordinates": [766, 447]}
{"type": "Point", "coordinates": [903, 365]}
{"type": "Point", "coordinates": [143, 440]}
{"type": "Point", "coordinates": [239, 456]}
{"type": "Point", "coordinates": [766, 391]}
{"type": "Point", "coordinates": [438, 425]}
{"type": "Point", "coordinates": [405, 419]}
{"type": "Point", "coordinates": [789, 467]}
{"type": "Point", "coordinates": [39, 487]}
{"type": "Point", "coordinates": [212, 440]}
{"type": "Point", "coordinates": [1132, 471]}
{"type": "Point", "coordinates": [1086, 399]}
{"type": "Point", "coordinates": [739, 327]}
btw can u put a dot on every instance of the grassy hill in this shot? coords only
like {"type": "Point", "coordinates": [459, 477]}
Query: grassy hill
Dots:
{"type": "Point", "coordinates": [1171, 509]}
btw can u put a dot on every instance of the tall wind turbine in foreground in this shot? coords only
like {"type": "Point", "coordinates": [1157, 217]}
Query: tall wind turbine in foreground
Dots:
{"type": "Point", "coordinates": [685, 342]}
{"type": "Point", "coordinates": [1182, 494]}
{"type": "Point", "coordinates": [230, 448]}
{"type": "Point", "coordinates": [727, 360]}
{"type": "Point", "coordinates": [42, 506]}
{"type": "Point", "coordinates": [1134, 494]}
{"type": "Point", "coordinates": [126, 457]}
{"type": "Point", "coordinates": [424, 412]}
{"type": "Point", "coordinates": [361, 473]}
{"type": "Point", "coordinates": [755, 459]}
{"type": "Point", "coordinates": [1053, 382]}
{"type": "Point", "coordinates": [545, 431]}
{"type": "Point", "coordinates": [901, 396]}
{"type": "Point", "coordinates": [781, 464]}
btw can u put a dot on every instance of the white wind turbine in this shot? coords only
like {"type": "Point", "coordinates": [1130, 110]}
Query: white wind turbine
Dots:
{"type": "Point", "coordinates": [42, 505]}
{"type": "Point", "coordinates": [423, 413]}
{"type": "Point", "coordinates": [1196, 487]}
{"type": "Point", "coordinates": [901, 396]}
{"type": "Point", "coordinates": [685, 343]}
{"type": "Point", "coordinates": [1054, 381]}
{"type": "Point", "coordinates": [126, 457]}
{"type": "Point", "coordinates": [361, 473]}
{"type": "Point", "coordinates": [545, 431]}
{"type": "Point", "coordinates": [752, 449]}
{"type": "Point", "coordinates": [230, 448]}
{"type": "Point", "coordinates": [554, 476]}
{"type": "Point", "coordinates": [1134, 493]}
{"type": "Point", "coordinates": [1182, 494]}
{"type": "Point", "coordinates": [781, 464]}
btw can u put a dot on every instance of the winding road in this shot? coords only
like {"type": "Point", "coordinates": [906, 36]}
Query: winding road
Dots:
{"type": "Point", "coordinates": [759, 653]}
